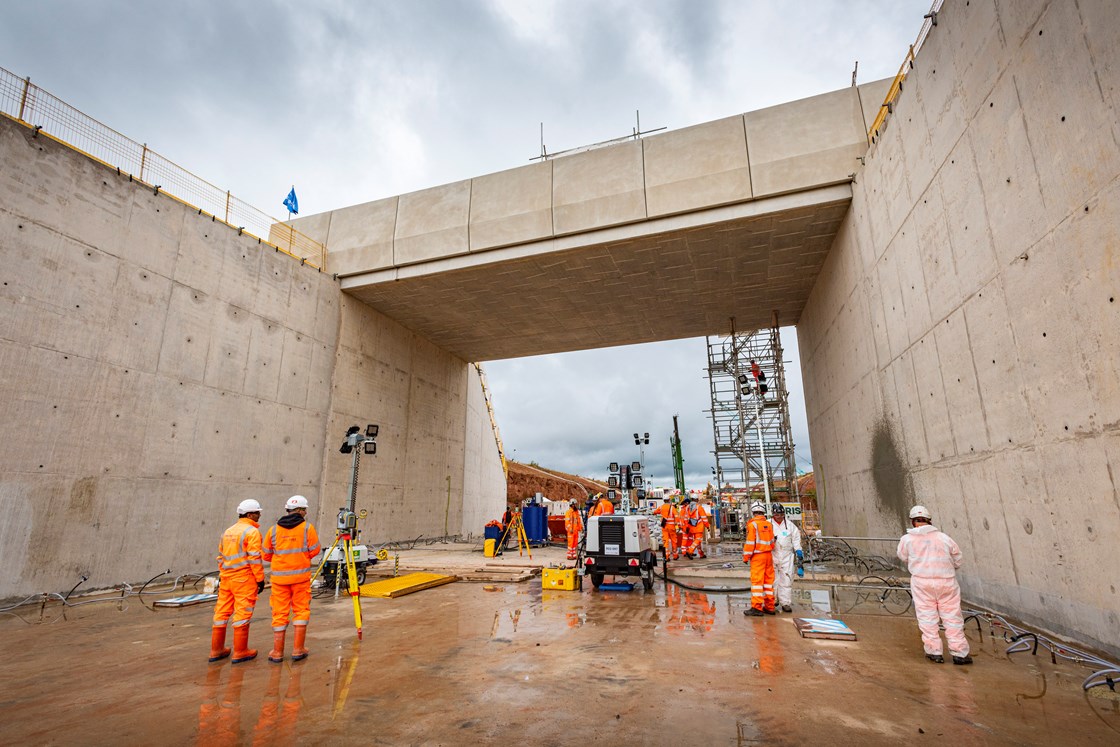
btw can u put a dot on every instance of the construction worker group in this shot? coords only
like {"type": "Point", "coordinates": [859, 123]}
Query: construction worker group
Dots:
{"type": "Point", "coordinates": [683, 527]}
{"type": "Point", "coordinates": [289, 546]}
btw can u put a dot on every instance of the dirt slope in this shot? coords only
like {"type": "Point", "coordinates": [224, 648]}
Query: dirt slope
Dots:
{"type": "Point", "coordinates": [526, 481]}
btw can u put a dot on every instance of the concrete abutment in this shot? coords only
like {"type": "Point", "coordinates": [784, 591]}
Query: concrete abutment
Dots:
{"type": "Point", "coordinates": [157, 368]}
{"type": "Point", "coordinates": [961, 347]}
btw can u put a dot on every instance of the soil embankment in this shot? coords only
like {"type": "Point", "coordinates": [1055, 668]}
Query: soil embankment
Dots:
{"type": "Point", "coordinates": [526, 480]}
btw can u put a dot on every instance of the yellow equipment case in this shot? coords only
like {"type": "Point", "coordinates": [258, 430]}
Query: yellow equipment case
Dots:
{"type": "Point", "coordinates": [564, 579]}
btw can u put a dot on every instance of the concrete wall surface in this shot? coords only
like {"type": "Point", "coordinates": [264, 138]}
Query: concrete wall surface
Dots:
{"type": "Point", "coordinates": [961, 348]}
{"type": "Point", "coordinates": [434, 471]}
{"type": "Point", "coordinates": [157, 368]}
{"type": "Point", "coordinates": [792, 147]}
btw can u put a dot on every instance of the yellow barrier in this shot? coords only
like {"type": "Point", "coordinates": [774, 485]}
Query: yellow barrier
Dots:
{"type": "Point", "coordinates": [907, 64]}
{"type": "Point", "coordinates": [33, 107]}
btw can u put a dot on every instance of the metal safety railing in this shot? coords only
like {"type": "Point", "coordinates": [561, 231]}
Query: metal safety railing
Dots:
{"type": "Point", "coordinates": [907, 64]}
{"type": "Point", "coordinates": [49, 115]}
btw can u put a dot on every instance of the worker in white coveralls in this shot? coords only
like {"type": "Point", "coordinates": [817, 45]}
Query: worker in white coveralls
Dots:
{"type": "Point", "coordinates": [787, 548]}
{"type": "Point", "coordinates": [933, 559]}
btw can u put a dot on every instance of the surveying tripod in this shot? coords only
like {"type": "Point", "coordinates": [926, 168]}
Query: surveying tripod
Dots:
{"type": "Point", "coordinates": [347, 526]}
{"type": "Point", "coordinates": [344, 540]}
{"type": "Point", "coordinates": [517, 526]}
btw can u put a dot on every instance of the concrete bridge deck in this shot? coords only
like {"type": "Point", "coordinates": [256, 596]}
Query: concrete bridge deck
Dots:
{"type": "Point", "coordinates": [688, 226]}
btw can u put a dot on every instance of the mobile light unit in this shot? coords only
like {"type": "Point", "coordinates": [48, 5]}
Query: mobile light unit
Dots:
{"type": "Point", "coordinates": [347, 526]}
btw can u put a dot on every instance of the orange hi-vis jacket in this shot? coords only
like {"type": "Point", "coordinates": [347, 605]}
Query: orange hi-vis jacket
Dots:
{"type": "Point", "coordinates": [239, 552]}
{"type": "Point", "coordinates": [573, 524]}
{"type": "Point", "coordinates": [760, 537]}
{"type": "Point", "coordinates": [669, 514]}
{"type": "Point", "coordinates": [602, 508]}
{"type": "Point", "coordinates": [290, 550]}
{"type": "Point", "coordinates": [695, 511]}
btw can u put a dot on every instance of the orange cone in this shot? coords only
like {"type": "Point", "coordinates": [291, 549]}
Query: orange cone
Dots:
{"type": "Point", "coordinates": [241, 650]}
{"type": "Point", "coordinates": [217, 643]}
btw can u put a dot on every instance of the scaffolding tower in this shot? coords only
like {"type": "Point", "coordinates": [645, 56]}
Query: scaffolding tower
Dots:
{"type": "Point", "coordinates": [742, 418]}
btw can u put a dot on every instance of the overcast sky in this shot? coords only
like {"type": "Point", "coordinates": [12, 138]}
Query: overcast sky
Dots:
{"type": "Point", "coordinates": [355, 101]}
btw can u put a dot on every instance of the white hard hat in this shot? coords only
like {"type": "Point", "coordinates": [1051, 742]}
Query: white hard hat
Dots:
{"type": "Point", "coordinates": [758, 508]}
{"type": "Point", "coordinates": [296, 501]}
{"type": "Point", "coordinates": [920, 512]}
{"type": "Point", "coordinates": [248, 506]}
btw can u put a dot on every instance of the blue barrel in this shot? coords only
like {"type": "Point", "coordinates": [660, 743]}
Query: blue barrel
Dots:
{"type": "Point", "coordinates": [536, 523]}
{"type": "Point", "coordinates": [492, 533]}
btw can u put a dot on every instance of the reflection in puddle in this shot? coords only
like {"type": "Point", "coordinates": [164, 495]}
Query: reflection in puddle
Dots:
{"type": "Point", "coordinates": [219, 714]}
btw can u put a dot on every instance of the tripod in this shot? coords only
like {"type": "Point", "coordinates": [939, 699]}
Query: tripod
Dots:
{"type": "Point", "coordinates": [517, 526]}
{"type": "Point", "coordinates": [348, 522]}
{"type": "Point", "coordinates": [344, 541]}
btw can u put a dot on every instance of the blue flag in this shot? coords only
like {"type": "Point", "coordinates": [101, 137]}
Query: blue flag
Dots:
{"type": "Point", "coordinates": [291, 202]}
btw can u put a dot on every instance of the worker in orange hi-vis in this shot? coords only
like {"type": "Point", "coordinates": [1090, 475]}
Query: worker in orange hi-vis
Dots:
{"type": "Point", "coordinates": [573, 525]}
{"type": "Point", "coordinates": [682, 519]}
{"type": "Point", "coordinates": [697, 524]}
{"type": "Point", "coordinates": [602, 507]}
{"type": "Point", "coordinates": [240, 579]}
{"type": "Point", "coordinates": [758, 551]}
{"type": "Point", "coordinates": [668, 516]}
{"type": "Point", "coordinates": [290, 546]}
{"type": "Point", "coordinates": [686, 516]}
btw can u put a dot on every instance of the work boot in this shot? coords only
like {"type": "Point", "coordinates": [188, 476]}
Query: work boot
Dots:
{"type": "Point", "coordinates": [276, 655]}
{"type": "Point", "coordinates": [241, 650]}
{"type": "Point", "coordinates": [769, 612]}
{"type": "Point", "coordinates": [702, 555]}
{"type": "Point", "coordinates": [753, 612]}
{"type": "Point", "coordinates": [787, 608]}
{"type": "Point", "coordinates": [966, 659]}
{"type": "Point", "coordinates": [218, 651]}
{"type": "Point", "coordinates": [936, 658]}
{"type": "Point", "coordinates": [299, 653]}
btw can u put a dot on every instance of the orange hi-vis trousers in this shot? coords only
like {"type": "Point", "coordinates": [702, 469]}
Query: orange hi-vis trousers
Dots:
{"type": "Point", "coordinates": [762, 581]}
{"type": "Point", "coordinates": [695, 540]}
{"type": "Point", "coordinates": [236, 598]}
{"type": "Point", "coordinates": [292, 600]}
{"type": "Point", "coordinates": [669, 539]}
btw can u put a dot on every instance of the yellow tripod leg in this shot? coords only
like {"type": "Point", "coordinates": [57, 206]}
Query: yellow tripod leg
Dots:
{"type": "Point", "coordinates": [525, 537]}
{"type": "Point", "coordinates": [355, 592]}
{"type": "Point", "coordinates": [323, 562]}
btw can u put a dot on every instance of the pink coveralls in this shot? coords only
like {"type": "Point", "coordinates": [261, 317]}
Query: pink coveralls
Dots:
{"type": "Point", "coordinates": [933, 558]}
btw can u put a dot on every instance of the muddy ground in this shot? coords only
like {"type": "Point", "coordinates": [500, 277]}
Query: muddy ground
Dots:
{"type": "Point", "coordinates": [471, 663]}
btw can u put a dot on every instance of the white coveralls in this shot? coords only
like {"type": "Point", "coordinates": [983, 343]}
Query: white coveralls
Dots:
{"type": "Point", "coordinates": [933, 559]}
{"type": "Point", "coordinates": [787, 541]}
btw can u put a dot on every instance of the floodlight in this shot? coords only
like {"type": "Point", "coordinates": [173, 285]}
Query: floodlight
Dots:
{"type": "Point", "coordinates": [352, 430]}
{"type": "Point", "coordinates": [635, 466]}
{"type": "Point", "coordinates": [612, 481]}
{"type": "Point", "coordinates": [636, 481]}
{"type": "Point", "coordinates": [611, 495]}
{"type": "Point", "coordinates": [614, 467]}
{"type": "Point", "coordinates": [371, 431]}
{"type": "Point", "coordinates": [370, 447]}
{"type": "Point", "coordinates": [635, 436]}
{"type": "Point", "coordinates": [742, 378]}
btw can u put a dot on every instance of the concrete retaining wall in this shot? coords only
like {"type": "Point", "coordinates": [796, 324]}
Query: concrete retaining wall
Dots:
{"type": "Point", "coordinates": [961, 348]}
{"type": "Point", "coordinates": [156, 368]}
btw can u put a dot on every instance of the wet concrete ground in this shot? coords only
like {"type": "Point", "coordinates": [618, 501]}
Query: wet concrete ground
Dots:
{"type": "Point", "coordinates": [483, 663]}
